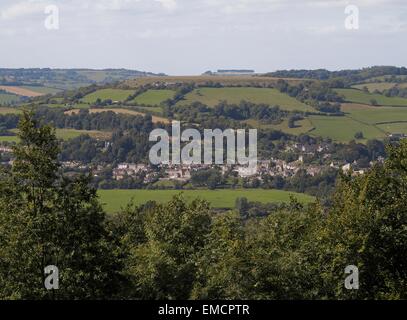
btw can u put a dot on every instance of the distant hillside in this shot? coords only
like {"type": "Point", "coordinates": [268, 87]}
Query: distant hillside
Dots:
{"type": "Point", "coordinates": [63, 79]}
{"type": "Point", "coordinates": [351, 75]}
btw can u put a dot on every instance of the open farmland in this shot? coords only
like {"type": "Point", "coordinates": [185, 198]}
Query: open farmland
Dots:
{"type": "Point", "coordinates": [65, 134]}
{"type": "Point", "coordinates": [115, 199]}
{"type": "Point", "coordinates": [106, 94]}
{"type": "Point", "coordinates": [374, 115]}
{"type": "Point", "coordinates": [212, 96]}
{"type": "Point", "coordinates": [343, 129]}
{"type": "Point", "coordinates": [121, 111]}
{"type": "Point", "coordinates": [7, 98]}
{"type": "Point", "coordinates": [21, 91]}
{"type": "Point", "coordinates": [202, 80]}
{"type": "Point", "coordinates": [9, 139]}
{"type": "Point", "coordinates": [380, 86]}
{"type": "Point", "coordinates": [41, 90]}
{"type": "Point", "coordinates": [5, 110]}
{"type": "Point", "coordinates": [395, 127]}
{"type": "Point", "coordinates": [154, 97]}
{"type": "Point", "coordinates": [358, 96]}
{"type": "Point", "coordinates": [301, 126]}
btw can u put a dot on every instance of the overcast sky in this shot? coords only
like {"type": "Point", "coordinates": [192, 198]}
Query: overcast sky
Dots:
{"type": "Point", "coordinates": [192, 36]}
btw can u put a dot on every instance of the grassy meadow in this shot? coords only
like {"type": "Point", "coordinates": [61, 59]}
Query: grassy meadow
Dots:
{"type": "Point", "coordinates": [374, 115]}
{"type": "Point", "coordinates": [7, 110]}
{"type": "Point", "coordinates": [358, 96]}
{"type": "Point", "coordinates": [42, 90]}
{"type": "Point", "coordinates": [114, 200]}
{"type": "Point", "coordinates": [64, 134]}
{"type": "Point", "coordinates": [154, 97]}
{"type": "Point", "coordinates": [212, 96]}
{"type": "Point", "coordinates": [105, 94]}
{"type": "Point", "coordinates": [6, 98]}
{"type": "Point", "coordinates": [343, 129]}
{"type": "Point", "coordinates": [372, 87]}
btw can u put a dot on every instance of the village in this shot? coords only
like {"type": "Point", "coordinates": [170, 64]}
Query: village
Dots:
{"type": "Point", "coordinates": [273, 167]}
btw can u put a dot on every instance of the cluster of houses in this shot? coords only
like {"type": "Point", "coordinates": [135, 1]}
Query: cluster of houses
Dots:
{"type": "Point", "coordinates": [183, 173]}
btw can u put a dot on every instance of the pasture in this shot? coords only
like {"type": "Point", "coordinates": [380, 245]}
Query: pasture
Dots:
{"type": "Point", "coordinates": [153, 97]}
{"type": "Point", "coordinates": [65, 134]}
{"type": "Point", "coordinates": [380, 86]}
{"type": "Point", "coordinates": [395, 127]}
{"type": "Point", "coordinates": [6, 110]}
{"type": "Point", "coordinates": [273, 97]}
{"type": "Point", "coordinates": [155, 119]}
{"type": "Point", "coordinates": [7, 98]}
{"type": "Point", "coordinates": [204, 79]}
{"type": "Point", "coordinates": [302, 126]}
{"type": "Point", "coordinates": [41, 90]}
{"type": "Point", "coordinates": [106, 94]}
{"type": "Point", "coordinates": [21, 91]}
{"type": "Point", "coordinates": [114, 200]}
{"type": "Point", "coordinates": [358, 96]}
{"type": "Point", "coordinates": [374, 115]}
{"type": "Point", "coordinates": [343, 129]}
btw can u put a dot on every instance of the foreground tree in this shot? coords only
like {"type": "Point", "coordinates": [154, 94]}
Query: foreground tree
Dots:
{"type": "Point", "coordinates": [367, 227]}
{"type": "Point", "coordinates": [47, 219]}
{"type": "Point", "coordinates": [162, 246]}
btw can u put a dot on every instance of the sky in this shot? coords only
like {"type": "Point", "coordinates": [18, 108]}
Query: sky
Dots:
{"type": "Point", "coordinates": [188, 37]}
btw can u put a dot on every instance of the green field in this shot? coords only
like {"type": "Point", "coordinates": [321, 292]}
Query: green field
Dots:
{"type": "Point", "coordinates": [154, 97]}
{"type": "Point", "coordinates": [373, 115]}
{"type": "Point", "coordinates": [113, 200]}
{"type": "Point", "coordinates": [64, 134]}
{"type": "Point", "coordinates": [6, 98]}
{"type": "Point", "coordinates": [44, 90]}
{"type": "Point", "coordinates": [6, 110]}
{"type": "Point", "coordinates": [302, 126]}
{"type": "Point", "coordinates": [380, 86]}
{"type": "Point", "coordinates": [400, 127]}
{"type": "Point", "coordinates": [343, 129]}
{"type": "Point", "coordinates": [273, 97]}
{"type": "Point", "coordinates": [358, 96]}
{"type": "Point", "coordinates": [8, 139]}
{"type": "Point", "coordinates": [105, 94]}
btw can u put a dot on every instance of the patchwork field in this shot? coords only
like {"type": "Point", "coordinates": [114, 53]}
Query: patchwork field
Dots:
{"type": "Point", "coordinates": [121, 111]}
{"type": "Point", "coordinates": [343, 129]}
{"type": "Point", "coordinates": [6, 98]}
{"type": "Point", "coordinates": [5, 110]}
{"type": "Point", "coordinates": [154, 97]}
{"type": "Point", "coordinates": [399, 127]}
{"type": "Point", "coordinates": [212, 96]}
{"type": "Point", "coordinates": [374, 115]}
{"type": "Point", "coordinates": [65, 134]}
{"type": "Point", "coordinates": [358, 96]}
{"type": "Point", "coordinates": [202, 80]}
{"type": "Point", "coordinates": [8, 139]}
{"type": "Point", "coordinates": [105, 94]}
{"type": "Point", "coordinates": [380, 86]}
{"type": "Point", "coordinates": [41, 90]}
{"type": "Point", "coordinates": [113, 200]}
{"type": "Point", "coordinates": [302, 126]}
{"type": "Point", "coordinates": [21, 91]}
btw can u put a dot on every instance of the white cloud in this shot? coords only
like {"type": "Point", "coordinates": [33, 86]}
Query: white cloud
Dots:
{"type": "Point", "coordinates": [168, 4]}
{"type": "Point", "coordinates": [22, 9]}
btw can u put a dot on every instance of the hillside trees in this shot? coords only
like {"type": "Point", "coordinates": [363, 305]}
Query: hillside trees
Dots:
{"type": "Point", "coordinates": [47, 219]}
{"type": "Point", "coordinates": [367, 227]}
{"type": "Point", "coordinates": [162, 246]}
